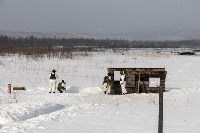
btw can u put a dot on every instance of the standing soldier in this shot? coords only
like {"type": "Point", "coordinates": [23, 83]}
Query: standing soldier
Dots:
{"type": "Point", "coordinates": [53, 76]}
{"type": "Point", "coordinates": [123, 83]}
{"type": "Point", "coordinates": [107, 83]}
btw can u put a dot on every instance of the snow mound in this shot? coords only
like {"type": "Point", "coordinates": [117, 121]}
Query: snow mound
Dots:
{"type": "Point", "coordinates": [74, 89]}
{"type": "Point", "coordinates": [91, 90]}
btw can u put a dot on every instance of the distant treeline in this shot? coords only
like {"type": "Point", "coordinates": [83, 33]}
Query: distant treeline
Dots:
{"type": "Point", "coordinates": [34, 42]}
{"type": "Point", "coordinates": [33, 47]}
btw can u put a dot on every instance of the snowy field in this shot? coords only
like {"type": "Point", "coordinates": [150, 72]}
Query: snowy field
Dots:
{"type": "Point", "coordinates": [84, 108]}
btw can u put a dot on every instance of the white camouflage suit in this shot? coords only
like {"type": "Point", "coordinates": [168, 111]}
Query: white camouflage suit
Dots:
{"type": "Point", "coordinates": [123, 84]}
{"type": "Point", "coordinates": [107, 86]}
{"type": "Point", "coordinates": [52, 82]}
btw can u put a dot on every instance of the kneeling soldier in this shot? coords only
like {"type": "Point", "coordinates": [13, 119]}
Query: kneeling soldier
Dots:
{"type": "Point", "coordinates": [61, 86]}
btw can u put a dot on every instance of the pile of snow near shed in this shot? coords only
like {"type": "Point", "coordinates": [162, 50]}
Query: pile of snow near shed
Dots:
{"type": "Point", "coordinates": [85, 108]}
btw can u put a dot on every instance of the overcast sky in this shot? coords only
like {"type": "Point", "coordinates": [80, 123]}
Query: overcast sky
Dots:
{"type": "Point", "coordinates": [99, 16]}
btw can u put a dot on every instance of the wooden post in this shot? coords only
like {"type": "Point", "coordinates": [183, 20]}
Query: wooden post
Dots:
{"type": "Point", "coordinates": [9, 88]}
{"type": "Point", "coordinates": [160, 121]}
{"type": "Point", "coordinates": [138, 91]}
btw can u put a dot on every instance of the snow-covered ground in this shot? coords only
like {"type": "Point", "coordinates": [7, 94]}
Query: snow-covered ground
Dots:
{"type": "Point", "coordinates": [84, 108]}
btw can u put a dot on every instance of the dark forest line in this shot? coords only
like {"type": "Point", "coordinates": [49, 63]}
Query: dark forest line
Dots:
{"type": "Point", "coordinates": [34, 42]}
{"type": "Point", "coordinates": [68, 48]}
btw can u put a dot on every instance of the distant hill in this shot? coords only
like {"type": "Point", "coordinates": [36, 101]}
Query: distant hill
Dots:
{"type": "Point", "coordinates": [45, 35]}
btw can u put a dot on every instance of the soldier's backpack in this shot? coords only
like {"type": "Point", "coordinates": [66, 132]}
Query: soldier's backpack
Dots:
{"type": "Point", "coordinates": [53, 76]}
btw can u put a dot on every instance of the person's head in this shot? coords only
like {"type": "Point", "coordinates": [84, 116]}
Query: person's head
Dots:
{"type": "Point", "coordinates": [121, 72]}
{"type": "Point", "coordinates": [109, 74]}
{"type": "Point", "coordinates": [63, 81]}
{"type": "Point", "coordinates": [53, 70]}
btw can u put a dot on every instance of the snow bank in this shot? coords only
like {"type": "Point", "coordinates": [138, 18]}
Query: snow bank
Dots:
{"type": "Point", "coordinates": [74, 89]}
{"type": "Point", "coordinates": [91, 90]}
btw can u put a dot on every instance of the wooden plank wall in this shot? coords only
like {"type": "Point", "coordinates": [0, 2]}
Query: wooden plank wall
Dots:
{"type": "Point", "coordinates": [132, 79]}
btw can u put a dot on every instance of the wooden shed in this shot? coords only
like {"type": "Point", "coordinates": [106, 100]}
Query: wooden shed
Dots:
{"type": "Point", "coordinates": [138, 80]}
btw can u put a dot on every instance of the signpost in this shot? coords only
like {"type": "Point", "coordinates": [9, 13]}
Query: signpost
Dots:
{"type": "Point", "coordinates": [160, 121]}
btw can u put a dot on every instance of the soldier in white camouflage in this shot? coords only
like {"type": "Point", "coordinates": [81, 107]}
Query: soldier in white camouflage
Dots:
{"type": "Point", "coordinates": [107, 83]}
{"type": "Point", "coordinates": [52, 80]}
{"type": "Point", "coordinates": [123, 82]}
